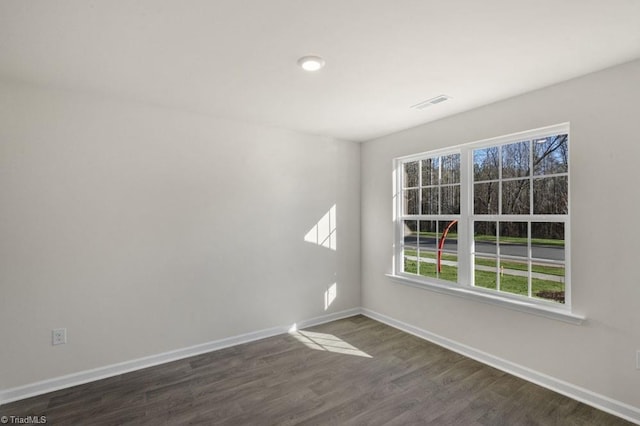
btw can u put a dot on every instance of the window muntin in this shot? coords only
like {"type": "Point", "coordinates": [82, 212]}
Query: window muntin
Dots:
{"type": "Point", "coordinates": [497, 209]}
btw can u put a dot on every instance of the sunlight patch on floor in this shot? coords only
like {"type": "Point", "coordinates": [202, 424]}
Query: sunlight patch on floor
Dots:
{"type": "Point", "coordinates": [326, 342]}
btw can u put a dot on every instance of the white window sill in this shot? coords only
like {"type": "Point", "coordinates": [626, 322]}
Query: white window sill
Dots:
{"type": "Point", "coordinates": [561, 314]}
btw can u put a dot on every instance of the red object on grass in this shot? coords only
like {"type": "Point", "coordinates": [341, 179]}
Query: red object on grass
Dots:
{"type": "Point", "coordinates": [441, 244]}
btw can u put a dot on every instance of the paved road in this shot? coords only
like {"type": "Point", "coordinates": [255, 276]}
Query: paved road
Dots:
{"type": "Point", "coordinates": [539, 251]}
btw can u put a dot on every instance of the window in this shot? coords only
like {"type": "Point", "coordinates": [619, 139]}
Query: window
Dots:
{"type": "Point", "coordinates": [490, 216]}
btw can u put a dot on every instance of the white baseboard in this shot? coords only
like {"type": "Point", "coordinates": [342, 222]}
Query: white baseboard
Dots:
{"type": "Point", "coordinates": [57, 383]}
{"type": "Point", "coordinates": [593, 399]}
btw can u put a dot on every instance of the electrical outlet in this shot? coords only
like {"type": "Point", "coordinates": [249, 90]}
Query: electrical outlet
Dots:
{"type": "Point", "coordinates": [59, 336]}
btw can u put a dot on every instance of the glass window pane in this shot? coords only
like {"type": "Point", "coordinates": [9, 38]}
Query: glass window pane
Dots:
{"type": "Point", "coordinates": [547, 240]}
{"type": "Point", "coordinates": [513, 239]}
{"type": "Point", "coordinates": [515, 160]}
{"type": "Point", "coordinates": [410, 250]}
{"type": "Point", "coordinates": [411, 201]}
{"type": "Point", "coordinates": [430, 171]}
{"type": "Point", "coordinates": [548, 271]}
{"type": "Point", "coordinates": [514, 277]}
{"type": "Point", "coordinates": [485, 198]}
{"type": "Point", "coordinates": [450, 168]}
{"type": "Point", "coordinates": [485, 164]}
{"type": "Point", "coordinates": [410, 234]}
{"type": "Point", "coordinates": [427, 242]}
{"type": "Point", "coordinates": [547, 281]}
{"type": "Point", "coordinates": [450, 202]}
{"type": "Point", "coordinates": [430, 200]}
{"type": "Point", "coordinates": [410, 264]}
{"type": "Point", "coordinates": [551, 195]}
{"type": "Point", "coordinates": [486, 273]}
{"type": "Point", "coordinates": [427, 267]}
{"type": "Point", "coordinates": [517, 267]}
{"type": "Point", "coordinates": [428, 237]}
{"type": "Point", "coordinates": [484, 237]}
{"type": "Point", "coordinates": [551, 155]}
{"type": "Point", "coordinates": [515, 196]}
{"type": "Point", "coordinates": [411, 174]}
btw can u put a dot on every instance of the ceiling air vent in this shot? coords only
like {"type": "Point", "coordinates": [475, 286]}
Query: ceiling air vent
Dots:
{"type": "Point", "coordinates": [432, 101]}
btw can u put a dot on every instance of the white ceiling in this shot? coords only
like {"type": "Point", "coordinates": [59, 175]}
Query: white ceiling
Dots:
{"type": "Point", "coordinates": [237, 58]}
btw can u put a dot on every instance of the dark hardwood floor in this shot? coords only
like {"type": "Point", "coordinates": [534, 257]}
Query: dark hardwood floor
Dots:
{"type": "Point", "coordinates": [355, 371]}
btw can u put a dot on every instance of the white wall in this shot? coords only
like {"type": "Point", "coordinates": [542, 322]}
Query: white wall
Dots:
{"type": "Point", "coordinates": [142, 230]}
{"type": "Point", "coordinates": [605, 202]}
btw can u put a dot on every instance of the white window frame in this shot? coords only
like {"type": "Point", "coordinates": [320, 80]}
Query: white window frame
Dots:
{"type": "Point", "coordinates": [464, 287]}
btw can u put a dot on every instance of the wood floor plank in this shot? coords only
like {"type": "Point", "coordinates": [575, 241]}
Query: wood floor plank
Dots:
{"type": "Point", "coordinates": [355, 371]}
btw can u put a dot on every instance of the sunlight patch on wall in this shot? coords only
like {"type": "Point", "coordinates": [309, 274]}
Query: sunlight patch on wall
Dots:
{"type": "Point", "coordinates": [330, 295]}
{"type": "Point", "coordinates": [324, 232]}
{"type": "Point", "coordinates": [327, 342]}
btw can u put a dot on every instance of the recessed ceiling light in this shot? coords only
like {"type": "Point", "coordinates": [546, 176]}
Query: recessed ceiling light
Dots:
{"type": "Point", "coordinates": [311, 63]}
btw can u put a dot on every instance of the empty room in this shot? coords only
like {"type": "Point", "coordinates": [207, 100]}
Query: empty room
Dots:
{"type": "Point", "coordinates": [247, 212]}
